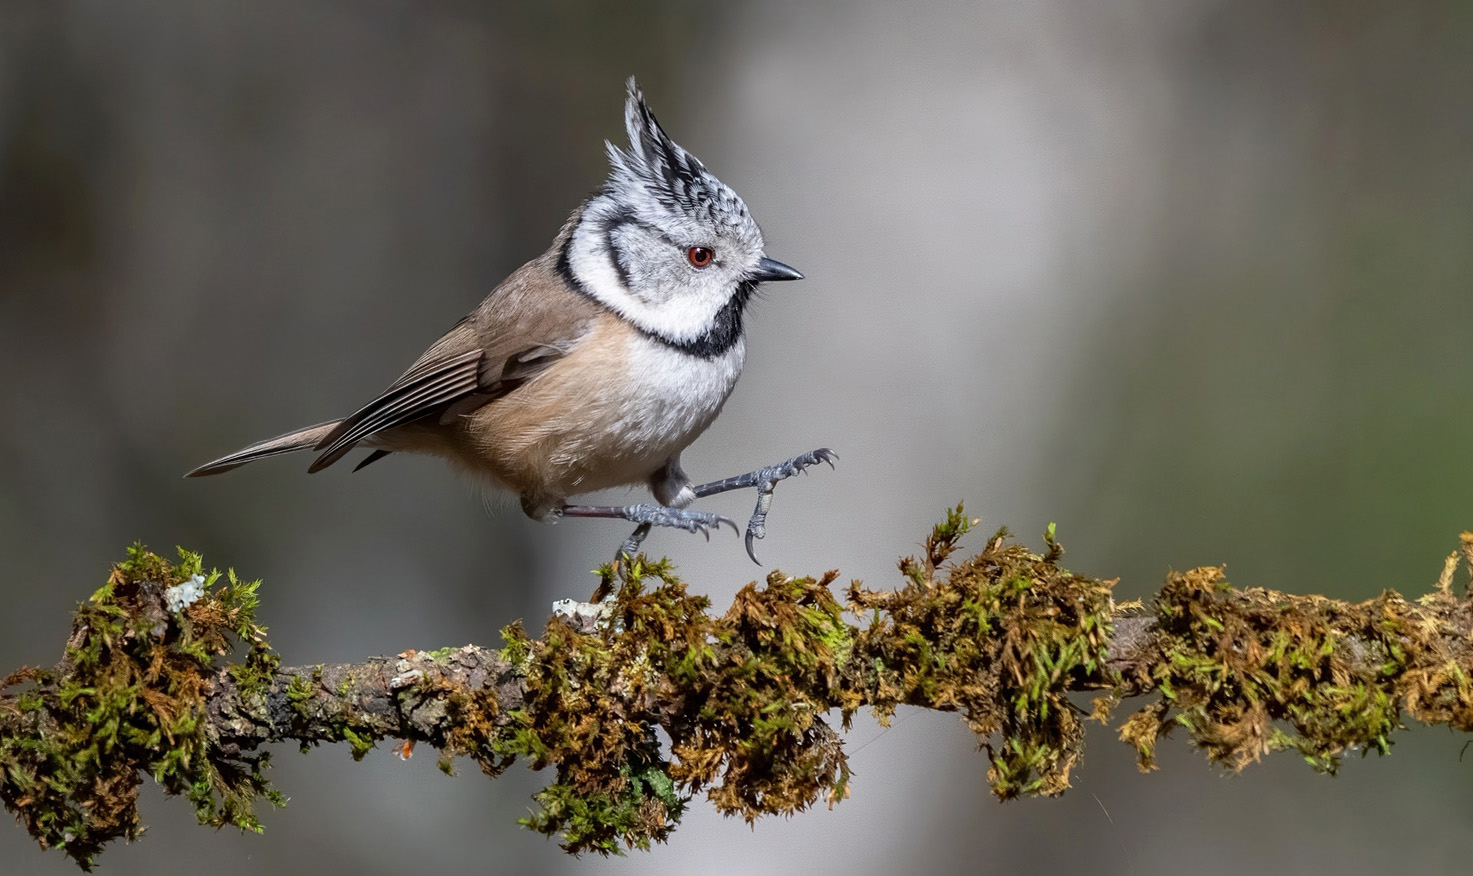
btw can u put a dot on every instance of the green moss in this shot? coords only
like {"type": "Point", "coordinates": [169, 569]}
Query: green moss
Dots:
{"type": "Point", "coordinates": [298, 693]}
{"type": "Point", "coordinates": [639, 807]}
{"type": "Point", "coordinates": [516, 645]}
{"type": "Point", "coordinates": [1248, 672]}
{"type": "Point", "coordinates": [743, 696]}
{"type": "Point", "coordinates": [127, 701]}
{"type": "Point", "coordinates": [999, 637]}
{"type": "Point", "coordinates": [361, 744]}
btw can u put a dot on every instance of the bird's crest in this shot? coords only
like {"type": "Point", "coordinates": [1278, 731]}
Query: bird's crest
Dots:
{"type": "Point", "coordinates": [656, 172]}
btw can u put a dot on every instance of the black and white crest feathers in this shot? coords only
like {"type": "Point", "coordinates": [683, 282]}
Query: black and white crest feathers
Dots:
{"type": "Point", "coordinates": [658, 169]}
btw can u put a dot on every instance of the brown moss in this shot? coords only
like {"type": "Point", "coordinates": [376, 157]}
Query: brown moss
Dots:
{"type": "Point", "coordinates": [128, 699]}
{"type": "Point", "coordinates": [999, 637]}
{"type": "Point", "coordinates": [743, 698]}
{"type": "Point", "coordinates": [587, 702]}
{"type": "Point", "coordinates": [1247, 672]}
{"type": "Point", "coordinates": [751, 726]}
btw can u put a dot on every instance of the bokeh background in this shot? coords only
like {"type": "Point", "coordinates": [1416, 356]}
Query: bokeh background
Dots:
{"type": "Point", "coordinates": [1189, 278]}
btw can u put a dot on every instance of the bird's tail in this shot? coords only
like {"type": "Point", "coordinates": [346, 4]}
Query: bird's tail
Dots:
{"type": "Point", "coordinates": [301, 439]}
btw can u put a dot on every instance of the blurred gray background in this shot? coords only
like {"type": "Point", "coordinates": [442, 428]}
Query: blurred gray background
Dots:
{"type": "Point", "coordinates": [1189, 278]}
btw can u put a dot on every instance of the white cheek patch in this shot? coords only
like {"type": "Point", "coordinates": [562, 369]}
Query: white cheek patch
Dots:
{"type": "Point", "coordinates": [593, 267]}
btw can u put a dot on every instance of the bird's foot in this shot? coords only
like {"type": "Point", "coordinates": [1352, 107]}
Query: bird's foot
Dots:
{"type": "Point", "coordinates": [765, 480]}
{"type": "Point", "coordinates": [630, 547]}
{"type": "Point", "coordinates": [648, 517]}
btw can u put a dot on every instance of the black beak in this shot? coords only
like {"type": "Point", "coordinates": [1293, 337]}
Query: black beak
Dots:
{"type": "Point", "coordinates": [772, 269]}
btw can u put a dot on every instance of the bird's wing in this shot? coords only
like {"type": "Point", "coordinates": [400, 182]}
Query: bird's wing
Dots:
{"type": "Point", "coordinates": [423, 390]}
{"type": "Point", "coordinates": [521, 329]}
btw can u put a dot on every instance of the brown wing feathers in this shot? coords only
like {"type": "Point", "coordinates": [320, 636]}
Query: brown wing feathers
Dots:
{"type": "Point", "coordinates": [530, 321]}
{"type": "Point", "coordinates": [422, 391]}
{"type": "Point", "coordinates": [449, 387]}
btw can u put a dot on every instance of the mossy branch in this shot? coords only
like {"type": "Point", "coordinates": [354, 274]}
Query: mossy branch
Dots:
{"type": "Point", "coordinates": [745, 698]}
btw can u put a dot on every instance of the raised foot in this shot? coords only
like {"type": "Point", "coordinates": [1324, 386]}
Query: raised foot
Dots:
{"type": "Point", "coordinates": [765, 480]}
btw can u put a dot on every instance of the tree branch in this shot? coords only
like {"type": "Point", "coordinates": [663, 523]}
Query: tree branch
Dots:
{"type": "Point", "coordinates": [1002, 638]}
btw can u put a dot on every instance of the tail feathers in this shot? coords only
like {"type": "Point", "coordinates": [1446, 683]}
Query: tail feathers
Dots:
{"type": "Point", "coordinates": [301, 439]}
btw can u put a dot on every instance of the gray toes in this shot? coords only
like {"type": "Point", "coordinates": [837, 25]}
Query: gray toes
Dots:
{"type": "Point", "coordinates": [678, 518]}
{"type": "Point", "coordinates": [630, 547]}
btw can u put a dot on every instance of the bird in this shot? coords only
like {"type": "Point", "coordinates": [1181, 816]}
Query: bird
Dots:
{"type": "Point", "coordinates": [595, 364]}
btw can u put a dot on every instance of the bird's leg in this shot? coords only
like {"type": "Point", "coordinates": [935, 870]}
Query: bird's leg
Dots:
{"type": "Point", "coordinates": [765, 480]}
{"type": "Point", "coordinates": [671, 486]}
{"type": "Point", "coordinates": [672, 489]}
{"type": "Point", "coordinates": [630, 547]}
{"type": "Point", "coordinates": [648, 517]}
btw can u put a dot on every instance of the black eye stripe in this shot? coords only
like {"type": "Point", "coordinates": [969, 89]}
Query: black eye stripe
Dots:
{"type": "Point", "coordinates": [616, 256]}
{"type": "Point", "coordinates": [626, 217]}
{"type": "Point", "coordinates": [726, 328]}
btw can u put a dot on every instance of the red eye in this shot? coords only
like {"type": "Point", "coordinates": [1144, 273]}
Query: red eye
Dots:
{"type": "Point", "coordinates": [699, 256]}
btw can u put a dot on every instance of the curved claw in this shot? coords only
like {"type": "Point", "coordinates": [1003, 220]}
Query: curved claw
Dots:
{"type": "Point", "coordinates": [692, 521]}
{"type": "Point", "coordinates": [751, 541]}
{"type": "Point", "coordinates": [823, 454]}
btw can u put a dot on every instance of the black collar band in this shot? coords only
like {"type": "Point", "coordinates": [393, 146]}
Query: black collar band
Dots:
{"type": "Point", "coordinates": [725, 331]}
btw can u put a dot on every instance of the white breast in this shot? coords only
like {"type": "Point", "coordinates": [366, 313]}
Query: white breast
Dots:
{"type": "Point", "coordinates": [669, 397]}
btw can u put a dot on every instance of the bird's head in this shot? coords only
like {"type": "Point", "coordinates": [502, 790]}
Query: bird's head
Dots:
{"type": "Point", "coordinates": [666, 244]}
